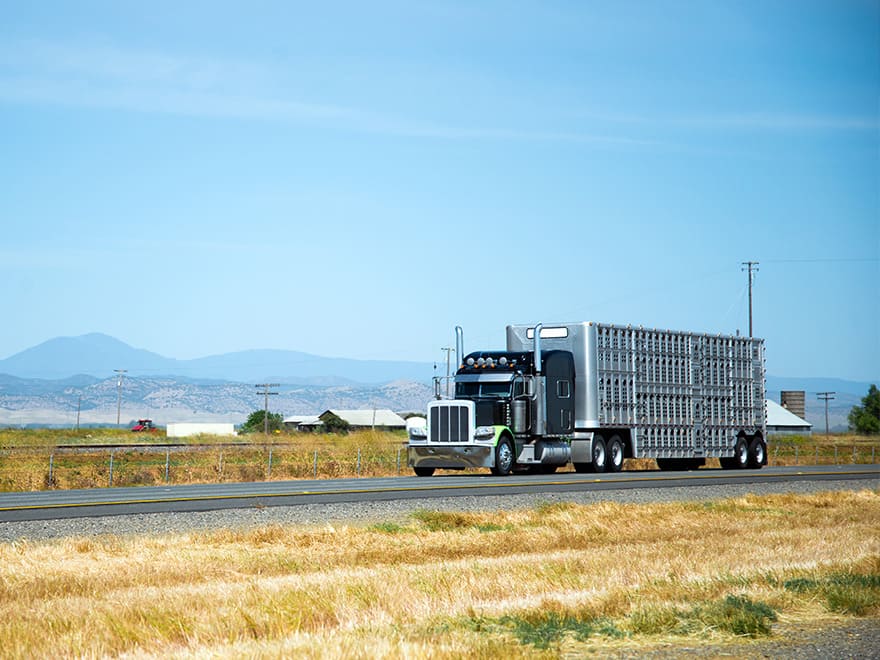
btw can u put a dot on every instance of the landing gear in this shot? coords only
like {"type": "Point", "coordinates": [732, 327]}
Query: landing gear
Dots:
{"type": "Point", "coordinates": [682, 464]}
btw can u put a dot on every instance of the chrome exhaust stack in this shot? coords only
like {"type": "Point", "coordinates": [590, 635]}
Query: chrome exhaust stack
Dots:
{"type": "Point", "coordinates": [459, 346]}
{"type": "Point", "coordinates": [539, 422]}
{"type": "Point", "coordinates": [537, 348]}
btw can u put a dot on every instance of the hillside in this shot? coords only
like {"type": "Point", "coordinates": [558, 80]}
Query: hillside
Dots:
{"type": "Point", "coordinates": [25, 402]}
{"type": "Point", "coordinates": [98, 355]}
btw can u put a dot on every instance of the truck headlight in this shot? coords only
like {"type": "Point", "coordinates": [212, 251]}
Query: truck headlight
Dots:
{"type": "Point", "coordinates": [418, 433]}
{"type": "Point", "coordinates": [484, 432]}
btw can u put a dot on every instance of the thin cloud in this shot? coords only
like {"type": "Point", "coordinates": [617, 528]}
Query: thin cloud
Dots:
{"type": "Point", "coordinates": [106, 77]}
{"type": "Point", "coordinates": [115, 79]}
{"type": "Point", "coordinates": [762, 121]}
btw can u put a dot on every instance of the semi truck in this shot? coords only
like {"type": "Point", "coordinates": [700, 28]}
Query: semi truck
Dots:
{"type": "Point", "coordinates": [593, 394]}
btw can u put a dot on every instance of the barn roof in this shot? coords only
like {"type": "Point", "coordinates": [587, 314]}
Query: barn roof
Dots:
{"type": "Point", "coordinates": [779, 416]}
{"type": "Point", "coordinates": [370, 417]}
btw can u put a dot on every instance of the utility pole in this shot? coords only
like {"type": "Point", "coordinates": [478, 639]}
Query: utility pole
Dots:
{"type": "Point", "coordinates": [78, 408]}
{"type": "Point", "coordinates": [267, 394]}
{"type": "Point", "coordinates": [121, 373]}
{"type": "Point", "coordinates": [750, 266]}
{"type": "Point", "coordinates": [448, 354]}
{"type": "Point", "coordinates": [826, 397]}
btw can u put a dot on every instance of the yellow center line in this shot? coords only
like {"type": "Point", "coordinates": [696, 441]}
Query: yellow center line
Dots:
{"type": "Point", "coordinates": [404, 489]}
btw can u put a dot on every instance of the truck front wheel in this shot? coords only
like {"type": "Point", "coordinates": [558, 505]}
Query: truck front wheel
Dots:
{"type": "Point", "coordinates": [423, 471]}
{"type": "Point", "coordinates": [504, 459]}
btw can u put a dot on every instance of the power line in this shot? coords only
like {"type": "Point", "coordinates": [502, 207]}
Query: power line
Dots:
{"type": "Point", "coordinates": [820, 260]}
{"type": "Point", "coordinates": [267, 394]}
{"type": "Point", "coordinates": [826, 397]}
{"type": "Point", "coordinates": [751, 266]}
{"type": "Point", "coordinates": [121, 373]}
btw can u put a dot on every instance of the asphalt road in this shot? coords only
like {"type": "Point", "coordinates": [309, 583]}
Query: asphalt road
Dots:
{"type": "Point", "coordinates": [51, 505]}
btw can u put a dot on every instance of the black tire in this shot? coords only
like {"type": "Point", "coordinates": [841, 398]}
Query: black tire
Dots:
{"type": "Point", "coordinates": [504, 458]}
{"type": "Point", "coordinates": [423, 471]}
{"type": "Point", "coordinates": [614, 455]}
{"type": "Point", "coordinates": [740, 458]}
{"type": "Point", "coordinates": [757, 453]}
{"type": "Point", "coordinates": [600, 454]}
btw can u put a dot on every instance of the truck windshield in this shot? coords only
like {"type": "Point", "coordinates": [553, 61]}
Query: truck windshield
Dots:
{"type": "Point", "coordinates": [484, 390]}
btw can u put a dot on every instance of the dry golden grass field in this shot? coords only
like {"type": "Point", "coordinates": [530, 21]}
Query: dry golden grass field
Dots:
{"type": "Point", "coordinates": [31, 459]}
{"type": "Point", "coordinates": [545, 582]}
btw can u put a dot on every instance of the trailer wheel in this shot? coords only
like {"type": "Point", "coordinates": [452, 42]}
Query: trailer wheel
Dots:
{"type": "Point", "coordinates": [600, 454]}
{"type": "Point", "coordinates": [757, 453]}
{"type": "Point", "coordinates": [741, 454]}
{"type": "Point", "coordinates": [740, 458]}
{"type": "Point", "coordinates": [423, 471]}
{"type": "Point", "coordinates": [504, 458]}
{"type": "Point", "coordinates": [615, 455]}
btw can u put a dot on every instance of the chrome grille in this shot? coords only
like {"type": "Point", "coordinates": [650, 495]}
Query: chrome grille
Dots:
{"type": "Point", "coordinates": [448, 424]}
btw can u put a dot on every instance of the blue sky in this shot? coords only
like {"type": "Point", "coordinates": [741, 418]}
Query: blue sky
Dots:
{"type": "Point", "coordinates": [356, 179]}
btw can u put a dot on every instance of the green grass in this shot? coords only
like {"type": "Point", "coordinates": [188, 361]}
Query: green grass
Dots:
{"type": "Point", "coordinates": [545, 629]}
{"type": "Point", "coordinates": [548, 627]}
{"type": "Point", "coordinates": [844, 593]}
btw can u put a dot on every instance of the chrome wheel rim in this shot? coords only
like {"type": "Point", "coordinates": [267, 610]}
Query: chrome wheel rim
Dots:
{"type": "Point", "coordinates": [505, 457]}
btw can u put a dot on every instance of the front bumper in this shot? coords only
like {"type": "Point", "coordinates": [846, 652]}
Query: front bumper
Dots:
{"type": "Point", "coordinates": [453, 457]}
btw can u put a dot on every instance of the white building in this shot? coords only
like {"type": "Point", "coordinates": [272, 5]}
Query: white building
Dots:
{"type": "Point", "coordinates": [784, 422]}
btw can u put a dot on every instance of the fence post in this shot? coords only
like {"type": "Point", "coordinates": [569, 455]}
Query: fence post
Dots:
{"type": "Point", "coordinates": [854, 455]}
{"type": "Point", "coordinates": [398, 461]}
{"type": "Point", "coordinates": [359, 462]}
{"type": "Point", "coordinates": [221, 464]}
{"type": "Point", "coordinates": [51, 468]}
{"type": "Point", "coordinates": [111, 468]}
{"type": "Point", "coordinates": [872, 454]}
{"type": "Point", "coordinates": [817, 454]}
{"type": "Point", "coordinates": [835, 454]}
{"type": "Point", "coordinates": [316, 464]}
{"type": "Point", "coordinates": [269, 476]}
{"type": "Point", "coordinates": [167, 463]}
{"type": "Point", "coordinates": [796, 452]}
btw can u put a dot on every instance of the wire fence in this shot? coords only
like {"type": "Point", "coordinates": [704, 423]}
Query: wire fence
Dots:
{"type": "Point", "coordinates": [30, 469]}
{"type": "Point", "coordinates": [27, 469]}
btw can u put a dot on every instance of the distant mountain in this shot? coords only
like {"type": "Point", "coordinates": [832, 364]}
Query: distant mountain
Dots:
{"type": "Point", "coordinates": [98, 355]}
{"type": "Point", "coordinates": [94, 354]}
{"type": "Point", "coordinates": [813, 385]}
{"type": "Point", "coordinates": [26, 402]}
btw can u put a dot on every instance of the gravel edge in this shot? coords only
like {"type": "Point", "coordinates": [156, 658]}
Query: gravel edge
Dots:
{"type": "Point", "coordinates": [365, 513]}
